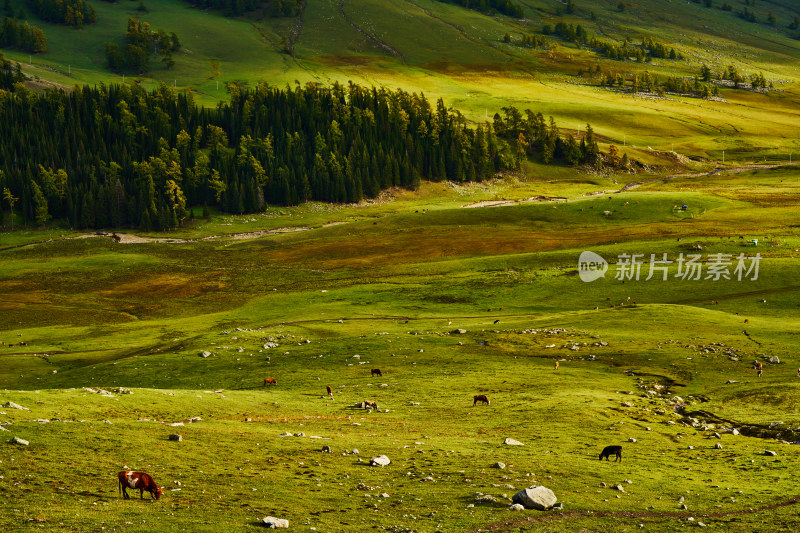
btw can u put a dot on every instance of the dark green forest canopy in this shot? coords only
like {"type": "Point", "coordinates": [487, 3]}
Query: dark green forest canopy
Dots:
{"type": "Point", "coordinates": [506, 7]}
{"type": "Point", "coordinates": [118, 155]}
{"type": "Point", "coordinates": [70, 12]}
{"type": "Point", "coordinates": [259, 8]}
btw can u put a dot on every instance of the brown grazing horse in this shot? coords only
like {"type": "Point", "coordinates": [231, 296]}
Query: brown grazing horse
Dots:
{"type": "Point", "coordinates": [480, 398]}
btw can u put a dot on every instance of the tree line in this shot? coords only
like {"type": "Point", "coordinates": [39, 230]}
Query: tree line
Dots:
{"type": "Point", "coordinates": [647, 83]}
{"type": "Point", "coordinates": [9, 74]}
{"type": "Point", "coordinates": [530, 136]}
{"type": "Point", "coordinates": [20, 34]}
{"type": "Point", "coordinates": [70, 12]}
{"type": "Point", "coordinates": [120, 156]}
{"type": "Point", "coordinates": [141, 41]}
{"type": "Point", "coordinates": [528, 41]}
{"type": "Point", "coordinates": [264, 8]}
{"type": "Point", "coordinates": [701, 85]}
{"type": "Point", "coordinates": [113, 156]}
{"type": "Point", "coordinates": [648, 49]}
{"type": "Point", "coordinates": [505, 7]}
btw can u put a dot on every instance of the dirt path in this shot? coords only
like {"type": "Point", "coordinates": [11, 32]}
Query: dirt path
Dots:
{"type": "Point", "coordinates": [717, 170]}
{"type": "Point", "coordinates": [500, 203]}
{"type": "Point", "coordinates": [129, 238]}
{"type": "Point", "coordinates": [374, 39]}
{"type": "Point", "coordinates": [511, 525]}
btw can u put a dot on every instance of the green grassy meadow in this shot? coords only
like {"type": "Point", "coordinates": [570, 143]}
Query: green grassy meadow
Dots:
{"type": "Point", "coordinates": [112, 332]}
{"type": "Point", "coordinates": [384, 287]}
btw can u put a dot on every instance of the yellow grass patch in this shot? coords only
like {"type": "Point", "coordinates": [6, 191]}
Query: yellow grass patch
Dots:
{"type": "Point", "coordinates": [163, 285]}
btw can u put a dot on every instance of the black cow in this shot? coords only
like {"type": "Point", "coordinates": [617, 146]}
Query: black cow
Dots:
{"type": "Point", "coordinates": [612, 450]}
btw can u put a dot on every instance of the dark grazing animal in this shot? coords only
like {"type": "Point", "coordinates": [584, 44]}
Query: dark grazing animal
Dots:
{"type": "Point", "coordinates": [270, 381]}
{"type": "Point", "coordinates": [480, 398]}
{"type": "Point", "coordinates": [611, 450]}
{"type": "Point", "coordinates": [329, 389]}
{"type": "Point", "coordinates": [375, 371]}
{"type": "Point", "coordinates": [140, 481]}
{"type": "Point", "coordinates": [369, 404]}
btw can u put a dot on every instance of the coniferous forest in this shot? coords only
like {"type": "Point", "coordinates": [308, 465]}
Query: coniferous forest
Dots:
{"type": "Point", "coordinates": [114, 156]}
{"type": "Point", "coordinates": [262, 8]}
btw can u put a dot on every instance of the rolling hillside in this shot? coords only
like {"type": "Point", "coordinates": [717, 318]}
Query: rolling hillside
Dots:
{"type": "Point", "coordinates": [460, 54]}
{"type": "Point", "coordinates": [254, 363]}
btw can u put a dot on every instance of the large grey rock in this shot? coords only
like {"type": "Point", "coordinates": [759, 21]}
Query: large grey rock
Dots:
{"type": "Point", "coordinates": [12, 405]}
{"type": "Point", "coordinates": [274, 523]}
{"type": "Point", "coordinates": [380, 460]}
{"type": "Point", "coordinates": [512, 442]}
{"type": "Point", "coordinates": [205, 353]}
{"type": "Point", "coordinates": [536, 497]}
{"type": "Point", "coordinates": [774, 360]}
{"type": "Point", "coordinates": [21, 442]}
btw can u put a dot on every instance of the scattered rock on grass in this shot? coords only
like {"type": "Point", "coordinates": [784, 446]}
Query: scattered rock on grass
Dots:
{"type": "Point", "coordinates": [512, 442]}
{"type": "Point", "coordinates": [21, 442]}
{"type": "Point", "coordinates": [380, 460]}
{"type": "Point", "coordinates": [274, 523]}
{"type": "Point", "coordinates": [535, 497]}
{"type": "Point", "coordinates": [499, 465]}
{"type": "Point", "coordinates": [770, 453]}
{"type": "Point", "coordinates": [12, 405]}
{"type": "Point", "coordinates": [205, 353]}
{"type": "Point", "coordinates": [516, 507]}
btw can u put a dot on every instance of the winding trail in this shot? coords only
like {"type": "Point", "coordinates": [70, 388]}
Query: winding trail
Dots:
{"type": "Point", "coordinates": [717, 170]}
{"type": "Point", "coordinates": [130, 238]}
{"type": "Point", "coordinates": [392, 51]}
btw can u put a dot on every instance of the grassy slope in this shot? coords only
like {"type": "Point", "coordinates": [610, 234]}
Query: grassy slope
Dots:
{"type": "Point", "coordinates": [457, 54]}
{"type": "Point", "coordinates": [400, 275]}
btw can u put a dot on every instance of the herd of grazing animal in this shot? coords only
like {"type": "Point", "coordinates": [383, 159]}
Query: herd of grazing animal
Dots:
{"type": "Point", "coordinates": [142, 482]}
